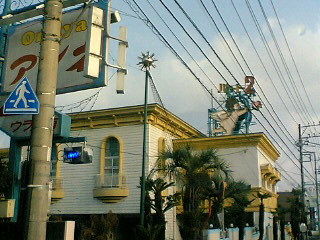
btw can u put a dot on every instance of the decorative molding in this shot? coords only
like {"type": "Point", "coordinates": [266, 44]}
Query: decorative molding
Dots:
{"type": "Point", "coordinates": [270, 204]}
{"type": "Point", "coordinates": [270, 173]}
{"type": "Point", "coordinates": [232, 141]}
{"type": "Point", "coordinates": [133, 115]}
{"type": "Point", "coordinates": [110, 195]}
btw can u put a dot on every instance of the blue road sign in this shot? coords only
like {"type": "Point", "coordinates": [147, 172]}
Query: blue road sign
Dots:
{"type": "Point", "coordinates": [22, 100]}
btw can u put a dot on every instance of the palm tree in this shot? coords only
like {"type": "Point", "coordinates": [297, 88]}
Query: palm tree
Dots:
{"type": "Point", "coordinates": [154, 200]}
{"type": "Point", "coordinates": [281, 212]}
{"type": "Point", "coordinates": [215, 194]}
{"type": "Point", "coordinates": [238, 192]}
{"type": "Point", "coordinates": [262, 196]}
{"type": "Point", "coordinates": [193, 172]}
{"type": "Point", "coordinates": [297, 212]}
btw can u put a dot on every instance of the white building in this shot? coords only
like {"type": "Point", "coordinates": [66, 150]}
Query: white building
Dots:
{"type": "Point", "coordinates": [110, 182]}
{"type": "Point", "coordinates": [252, 159]}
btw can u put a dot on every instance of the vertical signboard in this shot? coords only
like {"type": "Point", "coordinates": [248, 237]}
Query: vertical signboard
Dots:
{"type": "Point", "coordinates": [79, 29]}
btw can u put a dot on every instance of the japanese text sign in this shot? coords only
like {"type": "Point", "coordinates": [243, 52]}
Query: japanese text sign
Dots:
{"type": "Point", "coordinates": [24, 45]}
{"type": "Point", "coordinates": [19, 126]}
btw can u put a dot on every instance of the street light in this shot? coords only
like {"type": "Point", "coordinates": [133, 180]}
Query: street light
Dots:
{"type": "Point", "coordinates": [146, 62]}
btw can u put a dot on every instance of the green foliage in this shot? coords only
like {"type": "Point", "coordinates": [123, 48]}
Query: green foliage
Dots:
{"type": "Point", "coordinates": [297, 211]}
{"type": "Point", "coordinates": [200, 176]}
{"type": "Point", "coordinates": [154, 200]}
{"type": "Point", "coordinates": [102, 227]}
{"type": "Point", "coordinates": [263, 196]}
{"type": "Point", "coordinates": [5, 180]}
{"type": "Point", "coordinates": [148, 232]}
{"type": "Point", "coordinates": [239, 192]}
{"type": "Point", "coordinates": [192, 170]}
{"type": "Point", "coordinates": [191, 224]}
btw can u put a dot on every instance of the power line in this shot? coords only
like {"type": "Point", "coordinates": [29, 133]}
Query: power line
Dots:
{"type": "Point", "coordinates": [274, 62]}
{"type": "Point", "coordinates": [291, 55]}
{"type": "Point", "coordinates": [183, 46]}
{"type": "Point", "coordinates": [300, 100]}
{"type": "Point", "coordinates": [162, 38]}
{"type": "Point", "coordinates": [303, 105]}
{"type": "Point", "coordinates": [260, 60]}
{"type": "Point", "coordinates": [168, 45]}
{"type": "Point", "coordinates": [230, 34]}
{"type": "Point", "coordinates": [199, 31]}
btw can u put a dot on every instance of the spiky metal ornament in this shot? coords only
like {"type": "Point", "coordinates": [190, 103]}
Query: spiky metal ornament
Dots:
{"type": "Point", "coordinates": [147, 61]}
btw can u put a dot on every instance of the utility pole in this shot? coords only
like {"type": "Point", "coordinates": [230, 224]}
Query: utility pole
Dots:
{"type": "Point", "coordinates": [146, 63]}
{"type": "Point", "coordinates": [301, 143]}
{"type": "Point", "coordinates": [317, 188]}
{"type": "Point", "coordinates": [301, 165]}
{"type": "Point", "coordinates": [42, 129]}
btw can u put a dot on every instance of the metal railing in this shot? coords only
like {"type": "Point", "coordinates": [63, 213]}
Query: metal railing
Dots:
{"type": "Point", "coordinates": [110, 181]}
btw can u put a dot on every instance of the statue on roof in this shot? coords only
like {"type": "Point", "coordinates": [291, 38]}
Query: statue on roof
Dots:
{"type": "Point", "coordinates": [236, 115]}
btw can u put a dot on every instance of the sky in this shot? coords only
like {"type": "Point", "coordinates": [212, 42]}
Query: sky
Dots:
{"type": "Point", "coordinates": [184, 96]}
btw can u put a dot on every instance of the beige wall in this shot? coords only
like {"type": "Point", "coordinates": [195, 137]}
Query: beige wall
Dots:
{"type": "Point", "coordinates": [244, 164]}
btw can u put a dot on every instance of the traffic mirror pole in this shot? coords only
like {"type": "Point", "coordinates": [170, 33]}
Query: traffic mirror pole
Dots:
{"type": "Point", "coordinates": [42, 129]}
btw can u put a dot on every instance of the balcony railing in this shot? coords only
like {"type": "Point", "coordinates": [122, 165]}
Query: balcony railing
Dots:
{"type": "Point", "coordinates": [110, 181]}
{"type": "Point", "coordinates": [110, 188]}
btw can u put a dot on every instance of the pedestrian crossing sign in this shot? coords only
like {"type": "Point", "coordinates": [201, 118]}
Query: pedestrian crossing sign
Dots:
{"type": "Point", "coordinates": [22, 100]}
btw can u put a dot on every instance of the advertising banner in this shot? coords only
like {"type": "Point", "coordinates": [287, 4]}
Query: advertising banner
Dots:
{"type": "Point", "coordinates": [76, 50]}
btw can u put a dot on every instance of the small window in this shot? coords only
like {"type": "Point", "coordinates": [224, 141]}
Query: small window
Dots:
{"type": "Point", "coordinates": [161, 145]}
{"type": "Point", "coordinates": [112, 162]}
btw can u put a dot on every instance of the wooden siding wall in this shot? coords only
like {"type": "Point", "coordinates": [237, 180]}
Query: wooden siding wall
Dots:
{"type": "Point", "coordinates": [154, 135]}
{"type": "Point", "coordinates": [79, 180]}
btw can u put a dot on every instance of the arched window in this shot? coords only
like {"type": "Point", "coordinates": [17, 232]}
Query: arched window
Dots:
{"type": "Point", "coordinates": [112, 162]}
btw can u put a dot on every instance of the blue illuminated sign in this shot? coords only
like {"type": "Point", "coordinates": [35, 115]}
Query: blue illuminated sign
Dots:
{"type": "Point", "coordinates": [77, 155]}
{"type": "Point", "coordinates": [73, 154]}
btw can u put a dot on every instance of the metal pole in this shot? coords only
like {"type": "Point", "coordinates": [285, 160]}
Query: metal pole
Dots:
{"type": "Point", "coordinates": [14, 166]}
{"type": "Point", "coordinates": [41, 137]}
{"type": "Point", "coordinates": [146, 63]}
{"type": "Point", "coordinates": [143, 180]}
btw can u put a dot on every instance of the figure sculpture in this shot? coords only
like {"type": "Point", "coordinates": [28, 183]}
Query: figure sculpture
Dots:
{"type": "Point", "coordinates": [228, 119]}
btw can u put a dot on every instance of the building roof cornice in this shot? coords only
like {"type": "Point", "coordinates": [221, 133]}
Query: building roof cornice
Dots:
{"type": "Point", "coordinates": [233, 141]}
{"type": "Point", "coordinates": [133, 115]}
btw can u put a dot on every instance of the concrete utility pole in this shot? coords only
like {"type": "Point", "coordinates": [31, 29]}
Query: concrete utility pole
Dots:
{"type": "Point", "coordinates": [301, 165]}
{"type": "Point", "coordinates": [42, 129]}
{"type": "Point", "coordinates": [317, 187]}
